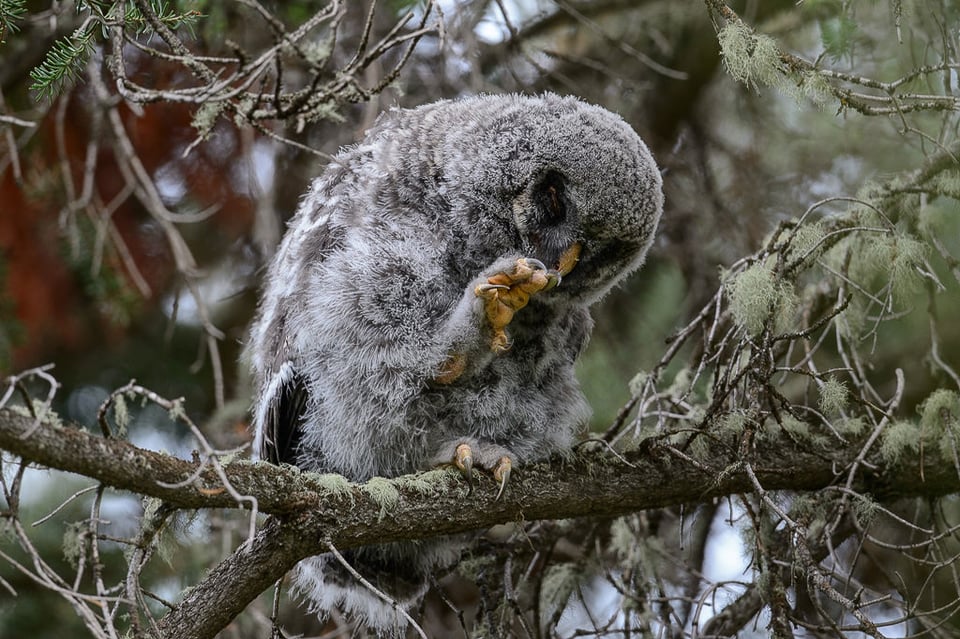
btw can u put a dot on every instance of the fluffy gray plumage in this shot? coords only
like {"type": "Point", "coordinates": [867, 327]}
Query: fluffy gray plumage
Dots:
{"type": "Point", "coordinates": [373, 352]}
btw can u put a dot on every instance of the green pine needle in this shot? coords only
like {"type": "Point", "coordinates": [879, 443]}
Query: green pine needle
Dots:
{"type": "Point", "coordinates": [65, 61]}
{"type": "Point", "coordinates": [11, 12]}
{"type": "Point", "coordinates": [63, 64]}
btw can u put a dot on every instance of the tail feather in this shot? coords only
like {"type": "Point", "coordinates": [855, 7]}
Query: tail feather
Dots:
{"type": "Point", "coordinates": [400, 571]}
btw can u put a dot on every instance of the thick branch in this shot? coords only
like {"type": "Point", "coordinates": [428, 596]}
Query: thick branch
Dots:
{"type": "Point", "coordinates": [122, 465]}
{"type": "Point", "coordinates": [589, 484]}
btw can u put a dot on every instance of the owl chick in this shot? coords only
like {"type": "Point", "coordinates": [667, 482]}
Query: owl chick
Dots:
{"type": "Point", "coordinates": [430, 298]}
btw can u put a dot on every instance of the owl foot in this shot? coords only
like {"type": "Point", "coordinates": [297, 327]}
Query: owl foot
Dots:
{"type": "Point", "coordinates": [463, 459]}
{"type": "Point", "coordinates": [451, 369]}
{"type": "Point", "coordinates": [468, 454]}
{"type": "Point", "coordinates": [508, 291]}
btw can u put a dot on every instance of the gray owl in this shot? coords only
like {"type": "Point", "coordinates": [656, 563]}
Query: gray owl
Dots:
{"type": "Point", "coordinates": [429, 300]}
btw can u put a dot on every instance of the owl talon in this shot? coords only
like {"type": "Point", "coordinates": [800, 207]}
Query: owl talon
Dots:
{"type": "Point", "coordinates": [533, 263]}
{"type": "Point", "coordinates": [483, 290]}
{"type": "Point", "coordinates": [502, 473]}
{"type": "Point", "coordinates": [463, 460]}
{"type": "Point", "coordinates": [553, 279]}
{"type": "Point", "coordinates": [469, 454]}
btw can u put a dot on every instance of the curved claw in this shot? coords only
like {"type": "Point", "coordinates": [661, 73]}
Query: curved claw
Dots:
{"type": "Point", "coordinates": [463, 459]}
{"type": "Point", "coordinates": [483, 288]}
{"type": "Point", "coordinates": [534, 263]}
{"type": "Point", "coordinates": [502, 473]}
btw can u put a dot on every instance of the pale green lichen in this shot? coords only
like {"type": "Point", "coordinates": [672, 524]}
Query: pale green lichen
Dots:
{"type": "Point", "coordinates": [798, 428]}
{"type": "Point", "coordinates": [228, 458]}
{"type": "Point", "coordinates": [383, 493]}
{"type": "Point", "coordinates": [317, 52]}
{"type": "Point", "coordinates": [429, 483]}
{"type": "Point", "coordinates": [681, 383]}
{"type": "Point", "coordinates": [874, 265]}
{"type": "Point", "coordinates": [121, 414]}
{"type": "Point", "coordinates": [473, 566]}
{"type": "Point", "coordinates": [833, 396]}
{"type": "Point", "coordinates": [324, 111]}
{"type": "Point", "coordinates": [785, 313]}
{"type": "Point", "coordinates": [166, 546]}
{"type": "Point", "coordinates": [864, 509]}
{"type": "Point", "coordinates": [638, 383]}
{"type": "Point", "coordinates": [559, 584]}
{"type": "Point", "coordinates": [939, 410]}
{"type": "Point", "coordinates": [622, 536]}
{"type": "Point", "coordinates": [751, 58]}
{"type": "Point", "coordinates": [634, 549]}
{"type": "Point", "coordinates": [816, 87]}
{"type": "Point", "coordinates": [755, 59]}
{"type": "Point", "coordinates": [945, 183]}
{"type": "Point", "coordinates": [335, 484]}
{"type": "Point", "coordinates": [853, 320]}
{"type": "Point", "coordinates": [872, 256]}
{"type": "Point", "coordinates": [73, 543]}
{"type": "Point", "coordinates": [756, 296]}
{"type": "Point", "coordinates": [851, 427]}
{"type": "Point", "coordinates": [699, 447]}
{"type": "Point", "coordinates": [898, 438]}
{"type": "Point", "coordinates": [177, 411]}
{"type": "Point", "coordinates": [805, 505]}
{"type": "Point", "coordinates": [243, 109]}
{"type": "Point", "coordinates": [764, 580]}
{"type": "Point", "coordinates": [752, 294]}
{"type": "Point", "coordinates": [205, 118]}
{"type": "Point", "coordinates": [482, 630]}
{"type": "Point", "coordinates": [731, 424]}
{"type": "Point", "coordinates": [43, 411]}
{"type": "Point", "coordinates": [938, 219]}
{"type": "Point", "coordinates": [806, 242]}
{"type": "Point", "coordinates": [901, 257]}
{"type": "Point", "coordinates": [940, 421]}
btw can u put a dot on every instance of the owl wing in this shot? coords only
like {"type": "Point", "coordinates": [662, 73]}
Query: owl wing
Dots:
{"type": "Point", "coordinates": [284, 396]}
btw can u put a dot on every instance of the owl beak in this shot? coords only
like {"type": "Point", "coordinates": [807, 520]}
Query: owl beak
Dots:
{"type": "Point", "coordinates": [565, 263]}
{"type": "Point", "coordinates": [568, 259]}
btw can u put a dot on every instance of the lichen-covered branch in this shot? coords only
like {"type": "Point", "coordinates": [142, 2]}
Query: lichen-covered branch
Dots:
{"type": "Point", "coordinates": [312, 510]}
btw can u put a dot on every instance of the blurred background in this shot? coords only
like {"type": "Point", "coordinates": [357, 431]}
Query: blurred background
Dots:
{"type": "Point", "coordinates": [133, 235]}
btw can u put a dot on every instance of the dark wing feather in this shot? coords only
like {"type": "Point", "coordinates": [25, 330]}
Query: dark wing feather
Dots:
{"type": "Point", "coordinates": [284, 423]}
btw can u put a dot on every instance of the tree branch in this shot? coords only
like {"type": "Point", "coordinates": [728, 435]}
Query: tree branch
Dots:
{"type": "Point", "coordinates": [310, 513]}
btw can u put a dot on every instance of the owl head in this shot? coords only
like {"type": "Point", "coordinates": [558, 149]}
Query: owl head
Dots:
{"type": "Point", "coordinates": [534, 176]}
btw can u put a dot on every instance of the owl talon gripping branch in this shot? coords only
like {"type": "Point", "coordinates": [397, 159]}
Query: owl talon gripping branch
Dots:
{"type": "Point", "coordinates": [502, 473]}
{"type": "Point", "coordinates": [463, 459]}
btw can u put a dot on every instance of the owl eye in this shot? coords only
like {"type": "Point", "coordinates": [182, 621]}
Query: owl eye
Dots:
{"type": "Point", "coordinates": [550, 198]}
